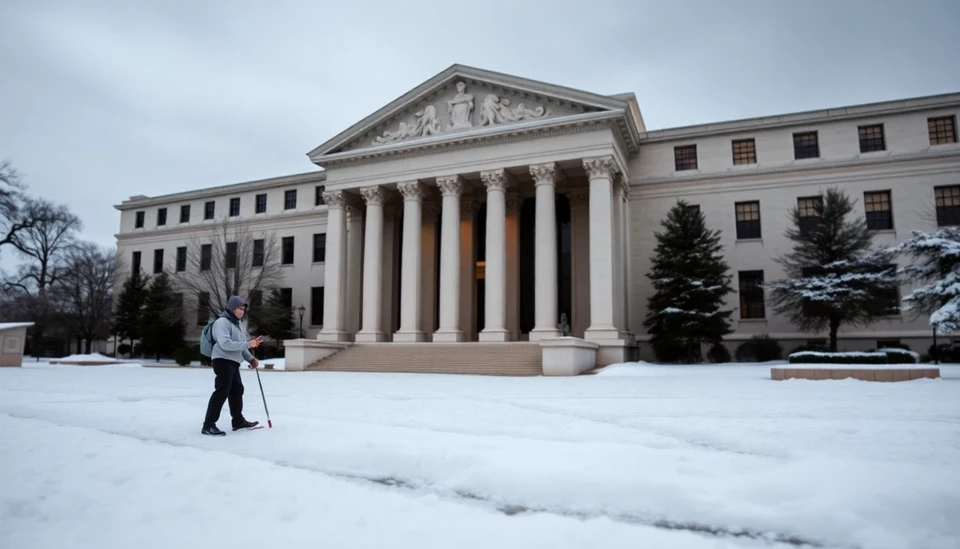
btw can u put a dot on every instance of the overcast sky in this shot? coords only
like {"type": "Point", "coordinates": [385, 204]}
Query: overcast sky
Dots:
{"type": "Point", "coordinates": [103, 100]}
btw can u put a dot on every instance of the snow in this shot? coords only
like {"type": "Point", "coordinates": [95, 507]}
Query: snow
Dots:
{"type": "Point", "coordinates": [639, 455]}
{"type": "Point", "coordinates": [93, 357]}
{"type": "Point", "coordinates": [14, 325]}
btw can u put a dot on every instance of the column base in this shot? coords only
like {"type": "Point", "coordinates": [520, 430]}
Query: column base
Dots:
{"type": "Point", "coordinates": [595, 333]}
{"type": "Point", "coordinates": [494, 335]}
{"type": "Point", "coordinates": [371, 337]}
{"type": "Point", "coordinates": [538, 334]}
{"type": "Point", "coordinates": [409, 336]}
{"type": "Point", "coordinates": [448, 336]}
{"type": "Point", "coordinates": [330, 335]}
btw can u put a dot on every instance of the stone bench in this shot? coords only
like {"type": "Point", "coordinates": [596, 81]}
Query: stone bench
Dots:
{"type": "Point", "coordinates": [839, 371]}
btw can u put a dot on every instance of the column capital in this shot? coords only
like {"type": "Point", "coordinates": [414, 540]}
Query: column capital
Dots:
{"type": "Point", "coordinates": [623, 181]}
{"type": "Point", "coordinates": [602, 166]}
{"type": "Point", "coordinates": [545, 174]}
{"type": "Point", "coordinates": [450, 185]}
{"type": "Point", "coordinates": [335, 199]}
{"type": "Point", "coordinates": [412, 190]}
{"type": "Point", "coordinates": [354, 213]}
{"type": "Point", "coordinates": [373, 196]}
{"type": "Point", "coordinates": [496, 180]}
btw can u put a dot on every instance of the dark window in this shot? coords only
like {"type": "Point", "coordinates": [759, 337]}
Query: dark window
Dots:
{"type": "Point", "coordinates": [685, 158]}
{"type": "Point", "coordinates": [319, 248]}
{"type": "Point", "coordinates": [185, 213]}
{"type": "Point", "coordinates": [809, 306]}
{"type": "Point", "coordinates": [287, 250]}
{"type": "Point", "coordinates": [203, 308]}
{"type": "Point", "coordinates": [286, 297]}
{"type": "Point", "coordinates": [318, 199]}
{"type": "Point", "coordinates": [751, 295]}
{"type": "Point", "coordinates": [206, 256]}
{"type": "Point", "coordinates": [316, 306]}
{"type": "Point", "coordinates": [805, 145]}
{"type": "Point", "coordinates": [744, 151]}
{"type": "Point", "coordinates": [230, 261]}
{"type": "Point", "coordinates": [290, 200]}
{"type": "Point", "coordinates": [258, 253]}
{"type": "Point", "coordinates": [138, 224]}
{"type": "Point", "coordinates": [809, 209]}
{"type": "Point", "coordinates": [942, 129]}
{"type": "Point", "coordinates": [889, 297]}
{"type": "Point", "coordinates": [136, 263]}
{"type": "Point", "coordinates": [157, 261]}
{"type": "Point", "coordinates": [748, 219]}
{"type": "Point", "coordinates": [888, 343]}
{"type": "Point", "coordinates": [879, 214]}
{"type": "Point", "coordinates": [261, 203]}
{"type": "Point", "coordinates": [871, 138]}
{"type": "Point", "coordinates": [181, 259]}
{"type": "Point", "coordinates": [209, 209]}
{"type": "Point", "coordinates": [161, 217]}
{"type": "Point", "coordinates": [234, 207]}
{"type": "Point", "coordinates": [695, 208]}
{"type": "Point", "coordinates": [948, 205]}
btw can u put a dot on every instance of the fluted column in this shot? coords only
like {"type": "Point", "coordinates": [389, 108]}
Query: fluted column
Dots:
{"type": "Point", "coordinates": [546, 317]}
{"type": "Point", "coordinates": [496, 182]}
{"type": "Point", "coordinates": [372, 267]}
{"type": "Point", "coordinates": [449, 330]}
{"type": "Point", "coordinates": [410, 312]}
{"type": "Point", "coordinates": [626, 257]}
{"type": "Point", "coordinates": [335, 270]}
{"type": "Point", "coordinates": [601, 172]}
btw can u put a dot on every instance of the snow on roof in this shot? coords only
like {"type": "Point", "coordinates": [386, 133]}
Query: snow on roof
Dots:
{"type": "Point", "coordinates": [14, 325]}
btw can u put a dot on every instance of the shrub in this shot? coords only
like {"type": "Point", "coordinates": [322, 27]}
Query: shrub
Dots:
{"type": "Point", "coordinates": [759, 348]}
{"type": "Point", "coordinates": [817, 357]}
{"type": "Point", "coordinates": [899, 356]}
{"type": "Point", "coordinates": [183, 356]}
{"type": "Point", "coordinates": [946, 352]}
{"type": "Point", "coordinates": [718, 353]}
{"type": "Point", "coordinates": [124, 348]}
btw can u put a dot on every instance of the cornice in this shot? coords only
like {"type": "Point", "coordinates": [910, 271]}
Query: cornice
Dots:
{"type": "Point", "coordinates": [285, 220]}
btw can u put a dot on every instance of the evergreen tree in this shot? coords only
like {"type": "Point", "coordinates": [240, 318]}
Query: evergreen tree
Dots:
{"type": "Point", "coordinates": [129, 309]}
{"type": "Point", "coordinates": [936, 269]}
{"type": "Point", "coordinates": [162, 326]}
{"type": "Point", "coordinates": [691, 280]}
{"type": "Point", "coordinates": [274, 319]}
{"type": "Point", "coordinates": [833, 277]}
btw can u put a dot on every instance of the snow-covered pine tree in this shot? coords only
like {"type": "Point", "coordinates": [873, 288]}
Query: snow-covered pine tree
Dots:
{"type": "Point", "coordinates": [691, 280]}
{"type": "Point", "coordinates": [936, 268]}
{"type": "Point", "coordinates": [833, 275]}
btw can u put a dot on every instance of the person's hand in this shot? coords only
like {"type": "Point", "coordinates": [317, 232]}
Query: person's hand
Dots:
{"type": "Point", "coordinates": [254, 363]}
{"type": "Point", "coordinates": [255, 342]}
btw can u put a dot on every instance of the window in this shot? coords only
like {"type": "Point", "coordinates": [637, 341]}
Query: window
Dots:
{"type": "Point", "coordinates": [209, 209]}
{"type": "Point", "coordinates": [161, 217]}
{"type": "Point", "coordinates": [206, 256]}
{"type": "Point", "coordinates": [748, 219]}
{"type": "Point", "coordinates": [942, 129]}
{"type": "Point", "coordinates": [744, 151]}
{"type": "Point", "coordinates": [948, 205]}
{"type": "Point", "coordinates": [158, 261]}
{"type": "Point", "coordinates": [290, 200]}
{"type": "Point", "coordinates": [685, 158]}
{"type": "Point", "coordinates": [135, 262]}
{"type": "Point", "coordinates": [889, 298]}
{"type": "Point", "coordinates": [871, 138]}
{"type": "Point", "coordinates": [181, 259]}
{"type": "Point", "coordinates": [316, 306]}
{"type": "Point", "coordinates": [751, 295]}
{"type": "Point", "coordinates": [138, 224]}
{"type": "Point", "coordinates": [286, 297]}
{"type": "Point", "coordinates": [805, 145]}
{"type": "Point", "coordinates": [695, 208]}
{"type": "Point", "coordinates": [319, 248]}
{"type": "Point", "coordinates": [258, 253]}
{"type": "Point", "coordinates": [887, 343]}
{"type": "Point", "coordinates": [287, 251]}
{"type": "Point", "coordinates": [185, 213]}
{"type": "Point", "coordinates": [318, 199]}
{"type": "Point", "coordinates": [877, 206]}
{"type": "Point", "coordinates": [261, 203]}
{"type": "Point", "coordinates": [230, 261]}
{"type": "Point", "coordinates": [809, 209]}
{"type": "Point", "coordinates": [203, 308]}
{"type": "Point", "coordinates": [234, 207]}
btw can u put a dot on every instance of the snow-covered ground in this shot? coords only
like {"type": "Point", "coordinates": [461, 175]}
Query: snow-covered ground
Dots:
{"type": "Point", "coordinates": [639, 456]}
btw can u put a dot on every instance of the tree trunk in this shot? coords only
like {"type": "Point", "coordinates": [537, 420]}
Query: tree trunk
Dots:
{"type": "Point", "coordinates": [88, 345]}
{"type": "Point", "coordinates": [834, 328]}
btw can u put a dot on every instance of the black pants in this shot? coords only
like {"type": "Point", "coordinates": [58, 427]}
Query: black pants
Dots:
{"type": "Point", "coordinates": [227, 387]}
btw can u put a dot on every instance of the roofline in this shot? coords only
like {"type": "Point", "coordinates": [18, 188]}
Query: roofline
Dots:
{"type": "Point", "coordinates": [139, 202]}
{"type": "Point", "coordinates": [800, 118]}
{"type": "Point", "coordinates": [14, 325]}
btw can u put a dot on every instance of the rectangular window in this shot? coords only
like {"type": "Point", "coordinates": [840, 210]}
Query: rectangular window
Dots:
{"type": "Point", "coordinates": [318, 199]}
{"type": "Point", "coordinates": [185, 213]}
{"type": "Point", "coordinates": [316, 306]}
{"type": "Point", "coordinates": [871, 138]}
{"type": "Point", "coordinates": [206, 256]}
{"type": "Point", "coordinates": [809, 209]}
{"type": "Point", "coordinates": [751, 295]}
{"type": "Point", "coordinates": [135, 263]}
{"type": "Point", "coordinates": [286, 251]}
{"type": "Point", "coordinates": [209, 209]}
{"type": "Point", "coordinates": [138, 224]}
{"type": "Point", "coordinates": [203, 308]}
{"type": "Point", "coordinates": [685, 157]}
{"type": "Point", "coordinates": [879, 213]}
{"type": "Point", "coordinates": [286, 297]}
{"type": "Point", "coordinates": [157, 261]}
{"type": "Point", "coordinates": [942, 130]}
{"type": "Point", "coordinates": [748, 219]}
{"type": "Point", "coordinates": [234, 207]}
{"type": "Point", "coordinates": [230, 261]}
{"type": "Point", "coordinates": [290, 200]}
{"type": "Point", "coordinates": [889, 297]}
{"type": "Point", "coordinates": [948, 205]}
{"type": "Point", "coordinates": [744, 151]}
{"type": "Point", "coordinates": [806, 145]}
{"type": "Point", "coordinates": [319, 248]}
{"type": "Point", "coordinates": [181, 259]}
{"type": "Point", "coordinates": [258, 253]}
{"type": "Point", "coordinates": [695, 208]}
{"type": "Point", "coordinates": [261, 203]}
{"type": "Point", "coordinates": [161, 217]}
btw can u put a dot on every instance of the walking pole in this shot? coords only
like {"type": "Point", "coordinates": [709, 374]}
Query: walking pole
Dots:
{"type": "Point", "coordinates": [269, 423]}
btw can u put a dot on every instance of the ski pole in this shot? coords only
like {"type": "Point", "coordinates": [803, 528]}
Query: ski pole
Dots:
{"type": "Point", "coordinates": [269, 423]}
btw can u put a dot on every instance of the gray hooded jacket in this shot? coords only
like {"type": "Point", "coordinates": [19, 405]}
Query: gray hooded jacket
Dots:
{"type": "Point", "coordinates": [230, 335]}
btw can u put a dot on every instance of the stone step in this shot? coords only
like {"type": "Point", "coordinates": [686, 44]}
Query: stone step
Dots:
{"type": "Point", "coordinates": [498, 359]}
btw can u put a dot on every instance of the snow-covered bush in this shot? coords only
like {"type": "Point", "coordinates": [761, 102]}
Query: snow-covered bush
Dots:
{"type": "Point", "coordinates": [880, 356]}
{"type": "Point", "coordinates": [759, 348]}
{"type": "Point", "coordinates": [718, 353]}
{"type": "Point", "coordinates": [936, 268]}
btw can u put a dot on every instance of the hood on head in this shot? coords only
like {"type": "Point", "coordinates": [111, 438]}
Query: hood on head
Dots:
{"type": "Point", "coordinates": [234, 302]}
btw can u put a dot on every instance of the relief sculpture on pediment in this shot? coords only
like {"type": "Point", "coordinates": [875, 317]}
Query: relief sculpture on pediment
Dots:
{"type": "Point", "coordinates": [495, 110]}
{"type": "Point", "coordinates": [425, 123]}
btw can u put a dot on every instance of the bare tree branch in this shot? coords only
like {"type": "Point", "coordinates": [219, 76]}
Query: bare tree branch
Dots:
{"type": "Point", "coordinates": [45, 242]}
{"type": "Point", "coordinates": [13, 218]}
{"type": "Point", "coordinates": [85, 292]}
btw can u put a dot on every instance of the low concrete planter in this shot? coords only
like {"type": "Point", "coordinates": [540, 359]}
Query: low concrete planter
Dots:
{"type": "Point", "coordinates": [568, 356]}
{"type": "Point", "coordinates": [863, 373]}
{"type": "Point", "coordinates": [300, 353]}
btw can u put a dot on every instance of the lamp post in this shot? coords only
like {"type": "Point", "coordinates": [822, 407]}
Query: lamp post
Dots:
{"type": "Point", "coordinates": [301, 309]}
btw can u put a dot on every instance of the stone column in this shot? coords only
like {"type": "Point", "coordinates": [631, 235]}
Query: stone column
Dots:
{"type": "Point", "coordinates": [496, 257]}
{"type": "Point", "coordinates": [335, 270]}
{"type": "Point", "coordinates": [468, 269]}
{"type": "Point", "coordinates": [449, 330]}
{"type": "Point", "coordinates": [410, 312]}
{"type": "Point", "coordinates": [617, 255]}
{"type": "Point", "coordinates": [391, 278]}
{"type": "Point", "coordinates": [580, 251]}
{"type": "Point", "coordinates": [429, 212]}
{"type": "Point", "coordinates": [601, 172]}
{"type": "Point", "coordinates": [372, 267]}
{"type": "Point", "coordinates": [354, 284]}
{"type": "Point", "coordinates": [512, 247]}
{"type": "Point", "coordinates": [545, 293]}
{"type": "Point", "coordinates": [626, 255]}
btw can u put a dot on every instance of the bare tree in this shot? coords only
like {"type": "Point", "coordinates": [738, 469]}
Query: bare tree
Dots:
{"type": "Point", "coordinates": [44, 244]}
{"type": "Point", "coordinates": [13, 218]}
{"type": "Point", "coordinates": [84, 293]}
{"type": "Point", "coordinates": [230, 259]}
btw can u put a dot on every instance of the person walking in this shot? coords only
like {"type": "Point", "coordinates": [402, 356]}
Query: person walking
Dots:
{"type": "Point", "coordinates": [230, 348]}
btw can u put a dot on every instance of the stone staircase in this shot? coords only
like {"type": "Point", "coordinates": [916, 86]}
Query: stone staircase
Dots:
{"type": "Point", "coordinates": [473, 358]}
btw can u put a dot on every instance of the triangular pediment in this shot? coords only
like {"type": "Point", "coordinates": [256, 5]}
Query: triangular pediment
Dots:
{"type": "Point", "coordinates": [464, 100]}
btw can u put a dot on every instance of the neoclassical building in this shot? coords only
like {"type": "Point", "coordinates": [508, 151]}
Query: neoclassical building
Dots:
{"type": "Point", "coordinates": [473, 222]}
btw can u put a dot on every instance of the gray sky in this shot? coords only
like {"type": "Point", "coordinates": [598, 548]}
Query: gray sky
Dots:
{"type": "Point", "coordinates": [103, 100]}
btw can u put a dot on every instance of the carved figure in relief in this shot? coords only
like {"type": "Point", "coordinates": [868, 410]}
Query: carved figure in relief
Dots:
{"type": "Point", "coordinates": [460, 108]}
{"type": "Point", "coordinates": [425, 123]}
{"type": "Point", "coordinates": [497, 111]}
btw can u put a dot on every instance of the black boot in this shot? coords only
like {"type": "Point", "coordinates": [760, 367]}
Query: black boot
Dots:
{"type": "Point", "coordinates": [244, 424]}
{"type": "Point", "coordinates": [213, 431]}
